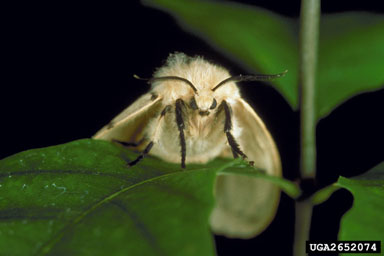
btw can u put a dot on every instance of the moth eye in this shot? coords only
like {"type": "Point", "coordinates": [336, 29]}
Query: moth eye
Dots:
{"type": "Point", "coordinates": [193, 104]}
{"type": "Point", "coordinates": [214, 104]}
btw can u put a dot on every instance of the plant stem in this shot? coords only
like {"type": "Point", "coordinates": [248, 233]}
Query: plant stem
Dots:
{"type": "Point", "coordinates": [302, 226]}
{"type": "Point", "coordinates": [310, 14]}
{"type": "Point", "coordinates": [309, 30]}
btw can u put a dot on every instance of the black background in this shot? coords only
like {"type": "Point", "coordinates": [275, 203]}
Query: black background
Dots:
{"type": "Point", "coordinates": [67, 71]}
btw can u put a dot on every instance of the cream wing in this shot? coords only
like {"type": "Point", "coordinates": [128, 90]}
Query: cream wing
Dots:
{"type": "Point", "coordinates": [245, 206]}
{"type": "Point", "coordinates": [130, 124]}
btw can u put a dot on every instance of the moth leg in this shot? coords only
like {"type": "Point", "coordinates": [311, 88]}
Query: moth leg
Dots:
{"type": "Point", "coordinates": [153, 138]}
{"type": "Point", "coordinates": [129, 144]}
{"type": "Point", "coordinates": [142, 155]}
{"type": "Point", "coordinates": [236, 151]}
{"type": "Point", "coordinates": [181, 127]}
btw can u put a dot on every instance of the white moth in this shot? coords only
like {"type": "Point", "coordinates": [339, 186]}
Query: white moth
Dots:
{"type": "Point", "coordinates": [193, 114]}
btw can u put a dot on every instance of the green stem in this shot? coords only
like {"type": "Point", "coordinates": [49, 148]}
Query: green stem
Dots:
{"type": "Point", "coordinates": [310, 14]}
{"type": "Point", "coordinates": [302, 226]}
{"type": "Point", "coordinates": [309, 29]}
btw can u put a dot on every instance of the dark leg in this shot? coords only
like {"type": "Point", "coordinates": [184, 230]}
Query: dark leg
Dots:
{"type": "Point", "coordinates": [180, 126]}
{"type": "Point", "coordinates": [236, 151]}
{"type": "Point", "coordinates": [150, 144]}
{"type": "Point", "coordinates": [129, 144]}
{"type": "Point", "coordinates": [142, 155]}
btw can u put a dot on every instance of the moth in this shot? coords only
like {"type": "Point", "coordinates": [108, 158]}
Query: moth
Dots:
{"type": "Point", "coordinates": [194, 113]}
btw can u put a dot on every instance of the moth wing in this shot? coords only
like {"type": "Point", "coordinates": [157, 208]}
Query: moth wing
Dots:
{"type": "Point", "coordinates": [129, 125]}
{"type": "Point", "coordinates": [245, 206]}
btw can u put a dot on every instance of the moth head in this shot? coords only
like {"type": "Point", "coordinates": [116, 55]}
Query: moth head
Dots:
{"type": "Point", "coordinates": [198, 98]}
{"type": "Point", "coordinates": [199, 83]}
{"type": "Point", "coordinates": [203, 103]}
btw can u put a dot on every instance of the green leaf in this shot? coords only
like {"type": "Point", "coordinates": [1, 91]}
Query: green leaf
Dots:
{"type": "Point", "coordinates": [365, 220]}
{"type": "Point", "coordinates": [80, 198]}
{"type": "Point", "coordinates": [351, 47]}
{"type": "Point", "coordinates": [289, 187]}
{"type": "Point", "coordinates": [322, 195]}
{"type": "Point", "coordinates": [351, 53]}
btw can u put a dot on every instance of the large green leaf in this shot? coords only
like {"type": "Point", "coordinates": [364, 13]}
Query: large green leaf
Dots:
{"type": "Point", "coordinates": [351, 54]}
{"type": "Point", "coordinates": [365, 220]}
{"type": "Point", "coordinates": [80, 198]}
{"type": "Point", "coordinates": [351, 47]}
